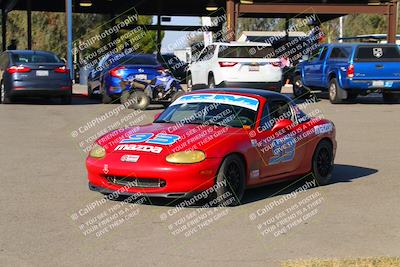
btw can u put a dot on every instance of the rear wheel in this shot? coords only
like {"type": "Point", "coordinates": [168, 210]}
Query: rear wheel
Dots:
{"type": "Point", "coordinates": [230, 181]}
{"type": "Point", "coordinates": [174, 97]}
{"type": "Point", "coordinates": [189, 82]}
{"type": "Point", "coordinates": [4, 98]}
{"type": "Point", "coordinates": [137, 99]}
{"type": "Point", "coordinates": [335, 92]}
{"type": "Point", "coordinates": [322, 162]}
{"type": "Point", "coordinates": [105, 98]}
{"type": "Point", "coordinates": [211, 81]}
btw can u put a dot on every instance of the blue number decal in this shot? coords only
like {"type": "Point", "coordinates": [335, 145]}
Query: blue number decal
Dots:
{"type": "Point", "coordinates": [159, 139]}
{"type": "Point", "coordinates": [283, 150]}
{"type": "Point", "coordinates": [164, 139]}
{"type": "Point", "coordinates": [137, 138]}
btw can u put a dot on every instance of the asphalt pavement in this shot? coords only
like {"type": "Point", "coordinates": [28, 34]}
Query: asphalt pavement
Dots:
{"type": "Point", "coordinates": [49, 217]}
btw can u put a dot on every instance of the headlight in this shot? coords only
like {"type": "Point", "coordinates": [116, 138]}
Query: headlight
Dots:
{"type": "Point", "coordinates": [186, 157]}
{"type": "Point", "coordinates": [97, 151]}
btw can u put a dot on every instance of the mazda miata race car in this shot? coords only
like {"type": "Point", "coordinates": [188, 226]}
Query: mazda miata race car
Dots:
{"type": "Point", "coordinates": [237, 138]}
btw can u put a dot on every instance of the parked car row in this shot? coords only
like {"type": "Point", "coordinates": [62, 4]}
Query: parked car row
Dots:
{"type": "Point", "coordinates": [345, 70]}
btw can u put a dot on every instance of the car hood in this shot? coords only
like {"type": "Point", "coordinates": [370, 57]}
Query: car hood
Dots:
{"type": "Point", "coordinates": [161, 139]}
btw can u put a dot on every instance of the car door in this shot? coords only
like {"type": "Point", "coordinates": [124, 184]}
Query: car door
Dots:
{"type": "Point", "coordinates": [195, 68]}
{"type": "Point", "coordinates": [313, 67]}
{"type": "Point", "coordinates": [279, 150]}
{"type": "Point", "coordinates": [206, 64]}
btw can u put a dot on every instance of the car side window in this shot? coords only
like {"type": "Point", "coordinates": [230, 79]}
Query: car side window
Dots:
{"type": "Point", "coordinates": [278, 110]}
{"type": "Point", "coordinates": [323, 54]}
{"type": "Point", "coordinates": [264, 122]}
{"type": "Point", "coordinates": [340, 53]}
{"type": "Point", "coordinates": [207, 53]}
{"type": "Point", "coordinates": [315, 55]}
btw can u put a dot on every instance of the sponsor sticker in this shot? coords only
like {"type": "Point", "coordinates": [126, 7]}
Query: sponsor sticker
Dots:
{"type": "Point", "coordinates": [234, 100]}
{"type": "Point", "coordinates": [142, 148]}
{"type": "Point", "coordinates": [254, 173]}
{"type": "Point", "coordinates": [324, 128]}
{"type": "Point", "coordinates": [130, 158]}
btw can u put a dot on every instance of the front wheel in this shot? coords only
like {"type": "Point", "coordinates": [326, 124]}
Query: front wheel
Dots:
{"type": "Point", "coordinates": [322, 162]}
{"type": "Point", "coordinates": [298, 88]}
{"type": "Point", "coordinates": [230, 181]}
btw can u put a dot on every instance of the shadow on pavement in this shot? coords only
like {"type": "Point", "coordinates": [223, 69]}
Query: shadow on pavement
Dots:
{"type": "Point", "coordinates": [77, 99]}
{"type": "Point", "coordinates": [341, 173]}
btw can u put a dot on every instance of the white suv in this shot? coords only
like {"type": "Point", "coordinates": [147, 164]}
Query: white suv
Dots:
{"type": "Point", "coordinates": [236, 65]}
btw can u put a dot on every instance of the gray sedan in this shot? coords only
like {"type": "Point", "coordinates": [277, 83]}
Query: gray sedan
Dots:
{"type": "Point", "coordinates": [33, 74]}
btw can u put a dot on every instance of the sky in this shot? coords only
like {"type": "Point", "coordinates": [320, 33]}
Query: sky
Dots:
{"type": "Point", "coordinates": [176, 39]}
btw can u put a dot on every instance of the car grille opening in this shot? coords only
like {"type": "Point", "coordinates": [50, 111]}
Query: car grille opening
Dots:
{"type": "Point", "coordinates": [136, 182]}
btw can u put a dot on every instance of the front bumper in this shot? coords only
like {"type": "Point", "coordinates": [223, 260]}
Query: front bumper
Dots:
{"type": "Point", "coordinates": [179, 180]}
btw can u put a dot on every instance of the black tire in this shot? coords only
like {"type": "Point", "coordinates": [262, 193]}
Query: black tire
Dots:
{"type": "Point", "coordinates": [66, 100]}
{"type": "Point", "coordinates": [174, 97]}
{"type": "Point", "coordinates": [298, 88]}
{"type": "Point", "coordinates": [323, 162]}
{"type": "Point", "coordinates": [105, 98]}
{"type": "Point", "coordinates": [138, 98]}
{"type": "Point", "coordinates": [231, 172]}
{"type": "Point", "coordinates": [4, 98]}
{"type": "Point", "coordinates": [211, 81]}
{"type": "Point", "coordinates": [90, 92]}
{"type": "Point", "coordinates": [391, 98]}
{"type": "Point", "coordinates": [189, 82]}
{"type": "Point", "coordinates": [335, 92]}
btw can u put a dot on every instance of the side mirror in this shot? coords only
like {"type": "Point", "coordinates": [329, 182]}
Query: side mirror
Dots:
{"type": "Point", "coordinates": [157, 115]}
{"type": "Point", "coordinates": [281, 124]}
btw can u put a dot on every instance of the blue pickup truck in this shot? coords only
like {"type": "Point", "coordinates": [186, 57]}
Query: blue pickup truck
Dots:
{"type": "Point", "coordinates": [348, 70]}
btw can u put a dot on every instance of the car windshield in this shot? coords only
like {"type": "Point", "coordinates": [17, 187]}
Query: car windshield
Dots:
{"type": "Point", "coordinates": [245, 51]}
{"type": "Point", "coordinates": [208, 114]}
{"type": "Point", "coordinates": [34, 57]}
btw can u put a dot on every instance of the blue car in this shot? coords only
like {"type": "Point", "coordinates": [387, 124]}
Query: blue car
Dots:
{"type": "Point", "coordinates": [142, 66]}
{"type": "Point", "coordinates": [348, 70]}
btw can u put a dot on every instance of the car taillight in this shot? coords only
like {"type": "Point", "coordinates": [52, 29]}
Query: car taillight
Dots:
{"type": "Point", "coordinates": [62, 69]}
{"type": "Point", "coordinates": [276, 64]}
{"type": "Point", "coordinates": [227, 64]}
{"type": "Point", "coordinates": [350, 71]}
{"type": "Point", "coordinates": [18, 69]}
{"type": "Point", "coordinates": [160, 69]}
{"type": "Point", "coordinates": [115, 72]}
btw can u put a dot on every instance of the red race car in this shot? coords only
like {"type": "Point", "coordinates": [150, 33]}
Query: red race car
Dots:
{"type": "Point", "coordinates": [236, 138]}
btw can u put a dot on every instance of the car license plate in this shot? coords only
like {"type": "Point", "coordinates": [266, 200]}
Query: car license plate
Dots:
{"type": "Point", "coordinates": [377, 83]}
{"type": "Point", "coordinates": [254, 68]}
{"type": "Point", "coordinates": [141, 76]}
{"type": "Point", "coordinates": [42, 73]}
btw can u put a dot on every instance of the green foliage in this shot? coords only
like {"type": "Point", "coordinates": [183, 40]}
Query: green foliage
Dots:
{"type": "Point", "coordinates": [49, 31]}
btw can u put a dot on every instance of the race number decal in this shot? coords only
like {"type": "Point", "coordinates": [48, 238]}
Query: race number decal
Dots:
{"type": "Point", "coordinates": [283, 150]}
{"type": "Point", "coordinates": [159, 139]}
